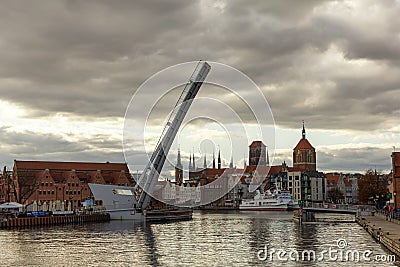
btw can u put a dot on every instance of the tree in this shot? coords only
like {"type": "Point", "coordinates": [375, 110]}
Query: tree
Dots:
{"type": "Point", "coordinates": [371, 187]}
{"type": "Point", "coordinates": [335, 195]}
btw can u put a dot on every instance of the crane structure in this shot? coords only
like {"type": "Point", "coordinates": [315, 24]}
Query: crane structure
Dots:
{"type": "Point", "coordinates": [150, 174]}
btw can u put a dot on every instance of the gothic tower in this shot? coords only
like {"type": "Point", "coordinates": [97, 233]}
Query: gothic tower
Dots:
{"type": "Point", "coordinates": [257, 154]}
{"type": "Point", "coordinates": [304, 155]}
{"type": "Point", "coordinates": [179, 169]}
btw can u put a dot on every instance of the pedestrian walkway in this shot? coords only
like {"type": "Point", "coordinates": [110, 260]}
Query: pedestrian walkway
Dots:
{"type": "Point", "coordinates": [386, 232]}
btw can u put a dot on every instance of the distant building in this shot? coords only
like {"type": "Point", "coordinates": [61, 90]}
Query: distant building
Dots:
{"type": "Point", "coordinates": [179, 169]}
{"type": "Point", "coordinates": [304, 155]}
{"type": "Point", "coordinates": [258, 154]}
{"type": "Point", "coordinates": [45, 181]}
{"type": "Point", "coordinates": [396, 178]}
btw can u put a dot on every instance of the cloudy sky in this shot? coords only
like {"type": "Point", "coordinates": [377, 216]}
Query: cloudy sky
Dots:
{"type": "Point", "coordinates": [69, 69]}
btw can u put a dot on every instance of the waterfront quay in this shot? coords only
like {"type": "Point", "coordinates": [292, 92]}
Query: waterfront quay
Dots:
{"type": "Point", "coordinates": [385, 232]}
{"type": "Point", "coordinates": [23, 222]}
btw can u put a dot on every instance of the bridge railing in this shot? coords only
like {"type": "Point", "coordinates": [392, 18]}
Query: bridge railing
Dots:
{"type": "Point", "coordinates": [332, 206]}
{"type": "Point", "coordinates": [341, 206]}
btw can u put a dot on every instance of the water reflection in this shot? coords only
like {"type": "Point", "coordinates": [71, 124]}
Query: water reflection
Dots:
{"type": "Point", "coordinates": [210, 239]}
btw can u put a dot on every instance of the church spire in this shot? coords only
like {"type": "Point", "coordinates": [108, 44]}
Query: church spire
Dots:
{"type": "Point", "coordinates": [190, 162]}
{"type": "Point", "coordinates": [304, 131]}
{"type": "Point", "coordinates": [194, 164]}
{"type": "Point", "coordinates": [219, 159]}
{"type": "Point", "coordinates": [178, 160]}
{"type": "Point", "coordinates": [231, 164]}
{"type": "Point", "coordinates": [205, 161]}
{"type": "Point", "coordinates": [213, 160]}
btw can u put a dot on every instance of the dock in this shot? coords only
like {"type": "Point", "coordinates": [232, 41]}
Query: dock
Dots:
{"type": "Point", "coordinates": [385, 232]}
{"type": "Point", "coordinates": [24, 222]}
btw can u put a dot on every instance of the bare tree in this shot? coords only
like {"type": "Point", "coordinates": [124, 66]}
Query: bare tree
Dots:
{"type": "Point", "coordinates": [371, 186]}
{"type": "Point", "coordinates": [335, 195]}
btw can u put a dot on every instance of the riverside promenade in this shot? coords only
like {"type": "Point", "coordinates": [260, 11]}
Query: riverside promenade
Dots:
{"type": "Point", "coordinates": [385, 232]}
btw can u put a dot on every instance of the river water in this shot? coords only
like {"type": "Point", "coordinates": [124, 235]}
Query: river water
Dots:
{"type": "Point", "coordinates": [210, 239]}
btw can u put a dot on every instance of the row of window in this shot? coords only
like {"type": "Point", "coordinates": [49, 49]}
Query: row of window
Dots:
{"type": "Point", "coordinates": [44, 192]}
{"type": "Point", "coordinates": [51, 184]}
{"type": "Point", "coordinates": [47, 184]}
{"type": "Point", "coordinates": [67, 192]}
{"type": "Point", "coordinates": [70, 192]}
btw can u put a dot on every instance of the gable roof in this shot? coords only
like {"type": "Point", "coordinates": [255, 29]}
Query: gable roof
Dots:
{"type": "Point", "coordinates": [303, 144]}
{"type": "Point", "coordinates": [257, 143]}
{"type": "Point", "coordinates": [68, 166]}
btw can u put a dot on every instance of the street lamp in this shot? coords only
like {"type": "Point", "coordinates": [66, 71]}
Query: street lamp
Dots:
{"type": "Point", "coordinates": [395, 200]}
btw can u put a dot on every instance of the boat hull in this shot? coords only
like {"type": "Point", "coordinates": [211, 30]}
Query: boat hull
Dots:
{"type": "Point", "coordinates": [265, 208]}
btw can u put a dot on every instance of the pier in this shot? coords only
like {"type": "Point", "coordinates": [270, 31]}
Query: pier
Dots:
{"type": "Point", "coordinates": [385, 232]}
{"type": "Point", "coordinates": [23, 222]}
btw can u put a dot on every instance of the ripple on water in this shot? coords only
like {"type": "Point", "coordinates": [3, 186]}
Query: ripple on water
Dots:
{"type": "Point", "coordinates": [210, 239]}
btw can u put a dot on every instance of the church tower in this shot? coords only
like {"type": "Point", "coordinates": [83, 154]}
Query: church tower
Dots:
{"type": "Point", "coordinates": [304, 155]}
{"type": "Point", "coordinates": [179, 169]}
{"type": "Point", "coordinates": [257, 154]}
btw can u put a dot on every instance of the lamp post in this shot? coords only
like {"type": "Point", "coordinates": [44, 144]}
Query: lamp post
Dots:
{"type": "Point", "coordinates": [395, 200]}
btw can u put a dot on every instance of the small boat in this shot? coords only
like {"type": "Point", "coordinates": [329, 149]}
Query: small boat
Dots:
{"type": "Point", "coordinates": [265, 202]}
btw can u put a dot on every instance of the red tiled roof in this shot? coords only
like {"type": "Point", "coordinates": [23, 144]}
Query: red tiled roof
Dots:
{"type": "Point", "coordinates": [303, 144]}
{"type": "Point", "coordinates": [275, 169]}
{"type": "Point", "coordinates": [330, 177]}
{"type": "Point", "coordinates": [257, 143]}
{"type": "Point", "coordinates": [68, 166]}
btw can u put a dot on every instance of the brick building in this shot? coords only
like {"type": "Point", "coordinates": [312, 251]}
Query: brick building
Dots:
{"type": "Point", "coordinates": [304, 155]}
{"type": "Point", "coordinates": [396, 178]}
{"type": "Point", "coordinates": [47, 181]}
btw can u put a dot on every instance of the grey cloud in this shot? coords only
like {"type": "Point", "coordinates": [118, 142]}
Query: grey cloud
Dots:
{"type": "Point", "coordinates": [29, 145]}
{"type": "Point", "coordinates": [86, 58]}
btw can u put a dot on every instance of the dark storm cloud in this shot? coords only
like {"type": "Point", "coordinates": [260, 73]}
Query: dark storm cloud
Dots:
{"type": "Point", "coordinates": [87, 57]}
{"type": "Point", "coordinates": [28, 145]}
{"type": "Point", "coordinates": [335, 63]}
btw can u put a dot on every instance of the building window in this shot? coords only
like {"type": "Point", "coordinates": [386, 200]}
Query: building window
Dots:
{"type": "Point", "coordinates": [79, 192]}
{"type": "Point", "coordinates": [40, 192]}
{"type": "Point", "coordinates": [48, 192]}
{"type": "Point", "coordinates": [42, 183]}
{"type": "Point", "coordinates": [74, 192]}
{"type": "Point", "coordinates": [47, 184]}
{"type": "Point", "coordinates": [44, 192]}
{"type": "Point", "coordinates": [69, 184]}
{"type": "Point", "coordinates": [77, 183]}
{"type": "Point", "coordinates": [51, 183]}
{"type": "Point", "coordinates": [52, 192]}
{"type": "Point", "coordinates": [66, 192]}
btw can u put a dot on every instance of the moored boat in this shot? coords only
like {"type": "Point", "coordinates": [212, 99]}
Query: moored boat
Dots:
{"type": "Point", "coordinates": [282, 201]}
{"type": "Point", "coordinates": [263, 202]}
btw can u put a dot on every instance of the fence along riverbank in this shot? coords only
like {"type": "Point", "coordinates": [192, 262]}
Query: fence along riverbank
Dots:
{"type": "Point", "coordinates": [15, 223]}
